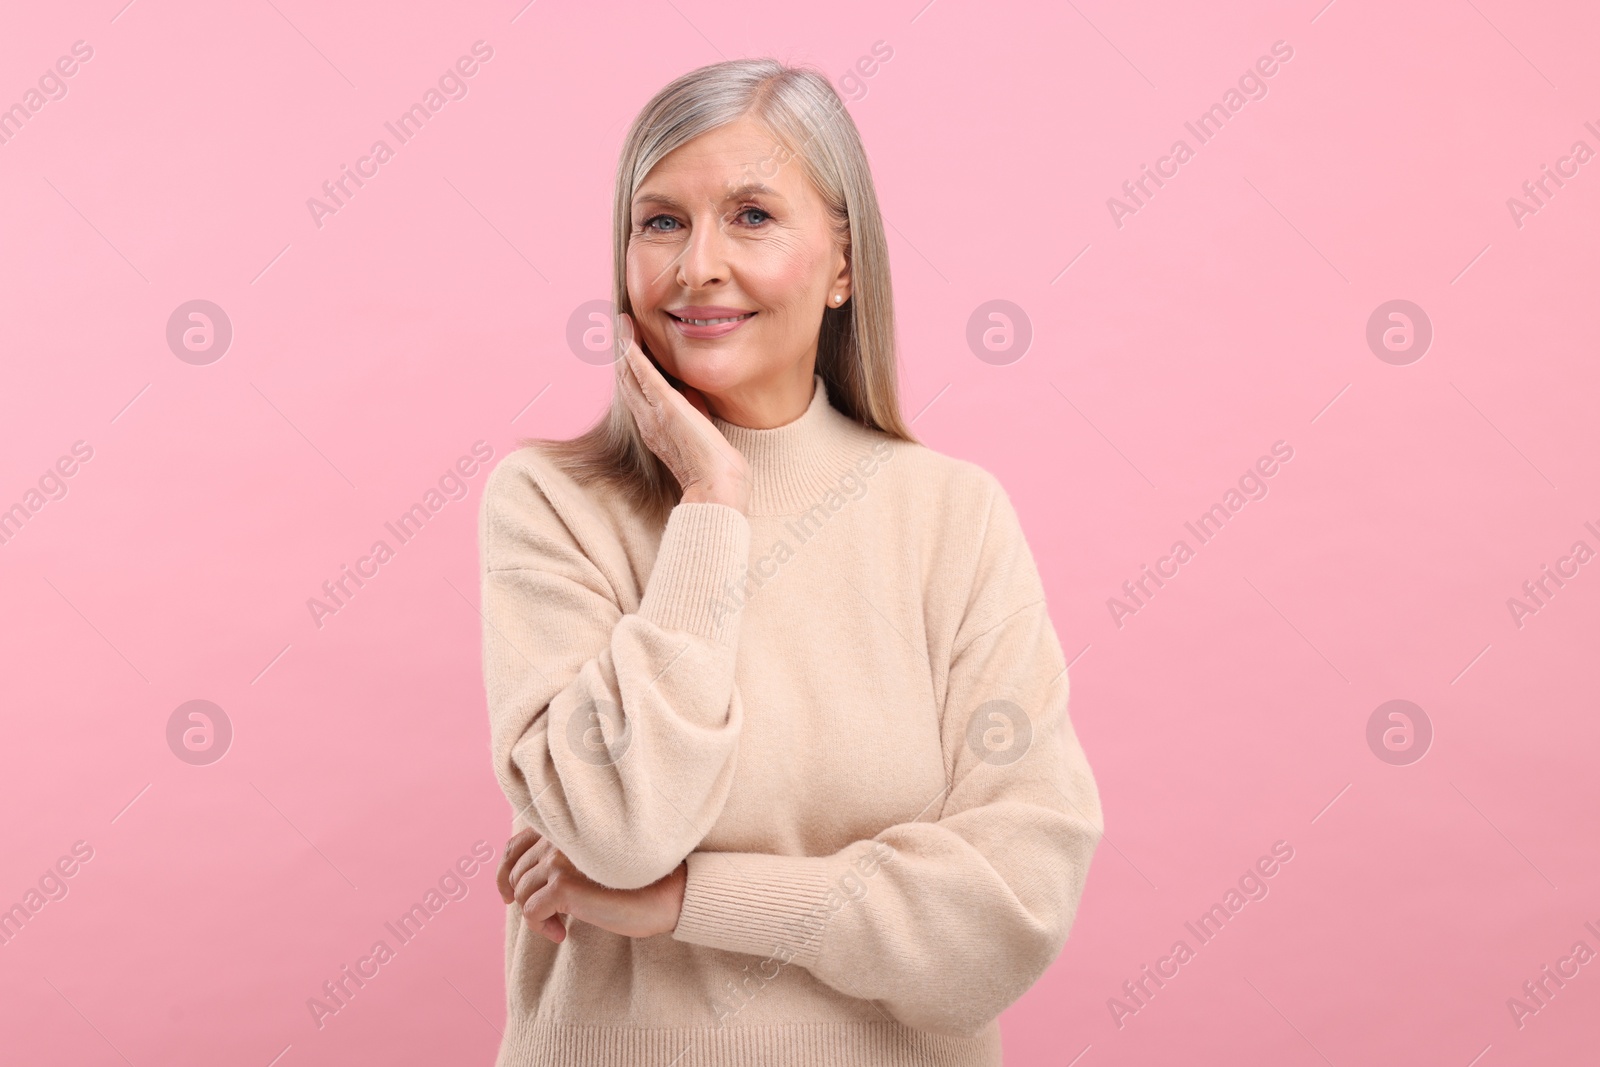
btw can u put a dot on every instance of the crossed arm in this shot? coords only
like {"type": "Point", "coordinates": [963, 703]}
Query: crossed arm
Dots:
{"type": "Point", "coordinates": [959, 914]}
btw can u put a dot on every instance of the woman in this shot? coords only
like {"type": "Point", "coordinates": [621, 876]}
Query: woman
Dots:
{"type": "Point", "coordinates": [772, 686]}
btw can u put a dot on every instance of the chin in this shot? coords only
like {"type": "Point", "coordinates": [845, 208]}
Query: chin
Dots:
{"type": "Point", "coordinates": [708, 370]}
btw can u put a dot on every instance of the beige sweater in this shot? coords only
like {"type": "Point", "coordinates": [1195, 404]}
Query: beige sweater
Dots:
{"type": "Point", "coordinates": [848, 710]}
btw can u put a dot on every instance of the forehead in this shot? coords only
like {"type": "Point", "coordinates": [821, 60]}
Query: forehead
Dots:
{"type": "Point", "coordinates": [743, 157]}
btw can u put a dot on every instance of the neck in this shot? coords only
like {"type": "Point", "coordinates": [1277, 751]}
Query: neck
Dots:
{"type": "Point", "coordinates": [770, 404]}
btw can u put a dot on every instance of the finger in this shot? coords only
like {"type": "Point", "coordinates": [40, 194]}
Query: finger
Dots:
{"type": "Point", "coordinates": [551, 926]}
{"type": "Point", "coordinates": [650, 378]}
{"type": "Point", "coordinates": [626, 332]}
{"type": "Point", "coordinates": [544, 901]}
{"type": "Point", "coordinates": [664, 412]}
{"type": "Point", "coordinates": [515, 847]}
{"type": "Point", "coordinates": [646, 417]}
{"type": "Point", "coordinates": [632, 354]}
{"type": "Point", "coordinates": [632, 392]}
{"type": "Point", "coordinates": [536, 859]}
{"type": "Point", "coordinates": [699, 402]}
{"type": "Point", "coordinates": [644, 403]}
{"type": "Point", "coordinates": [531, 872]}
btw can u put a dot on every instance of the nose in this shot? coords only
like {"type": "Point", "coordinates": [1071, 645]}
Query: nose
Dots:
{"type": "Point", "coordinates": [704, 261]}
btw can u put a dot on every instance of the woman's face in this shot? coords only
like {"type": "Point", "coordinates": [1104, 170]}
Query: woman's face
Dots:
{"type": "Point", "coordinates": [721, 229]}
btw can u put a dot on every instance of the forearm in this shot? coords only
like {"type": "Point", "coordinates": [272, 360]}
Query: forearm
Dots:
{"type": "Point", "coordinates": [614, 735]}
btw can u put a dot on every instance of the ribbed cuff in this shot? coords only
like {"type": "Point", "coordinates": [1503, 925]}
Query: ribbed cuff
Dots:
{"type": "Point", "coordinates": [759, 904]}
{"type": "Point", "coordinates": [696, 585]}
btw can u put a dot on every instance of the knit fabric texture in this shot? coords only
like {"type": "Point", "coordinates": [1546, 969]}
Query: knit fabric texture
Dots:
{"type": "Point", "coordinates": [847, 710]}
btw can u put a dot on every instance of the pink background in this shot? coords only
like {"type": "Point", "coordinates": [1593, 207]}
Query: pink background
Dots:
{"type": "Point", "coordinates": [430, 312]}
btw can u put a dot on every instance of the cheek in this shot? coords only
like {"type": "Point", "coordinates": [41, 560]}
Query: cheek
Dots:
{"type": "Point", "coordinates": [784, 274]}
{"type": "Point", "coordinates": [633, 273]}
{"type": "Point", "coordinates": [647, 272]}
{"type": "Point", "coordinates": [649, 277]}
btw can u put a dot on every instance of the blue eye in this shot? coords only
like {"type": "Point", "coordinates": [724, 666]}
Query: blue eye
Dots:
{"type": "Point", "coordinates": [648, 225]}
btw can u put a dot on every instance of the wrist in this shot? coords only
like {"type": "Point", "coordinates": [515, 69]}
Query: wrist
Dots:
{"type": "Point", "coordinates": [677, 885]}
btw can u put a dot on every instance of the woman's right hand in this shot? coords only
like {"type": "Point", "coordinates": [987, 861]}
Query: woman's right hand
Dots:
{"type": "Point", "coordinates": [677, 427]}
{"type": "Point", "coordinates": [544, 882]}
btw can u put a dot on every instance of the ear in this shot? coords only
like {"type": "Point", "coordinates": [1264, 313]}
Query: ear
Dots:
{"type": "Point", "coordinates": [841, 282]}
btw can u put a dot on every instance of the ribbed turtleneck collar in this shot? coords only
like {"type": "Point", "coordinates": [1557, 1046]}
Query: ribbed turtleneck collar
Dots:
{"type": "Point", "coordinates": [795, 466]}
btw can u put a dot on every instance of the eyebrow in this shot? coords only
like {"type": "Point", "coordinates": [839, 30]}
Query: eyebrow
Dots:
{"type": "Point", "coordinates": [744, 191]}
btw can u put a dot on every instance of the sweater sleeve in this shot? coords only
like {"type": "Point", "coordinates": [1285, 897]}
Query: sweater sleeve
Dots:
{"type": "Point", "coordinates": [612, 734]}
{"type": "Point", "coordinates": [942, 923]}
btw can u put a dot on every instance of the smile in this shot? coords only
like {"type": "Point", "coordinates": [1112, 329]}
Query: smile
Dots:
{"type": "Point", "coordinates": [712, 322]}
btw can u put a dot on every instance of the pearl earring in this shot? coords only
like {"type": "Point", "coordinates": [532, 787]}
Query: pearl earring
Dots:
{"type": "Point", "coordinates": [837, 298]}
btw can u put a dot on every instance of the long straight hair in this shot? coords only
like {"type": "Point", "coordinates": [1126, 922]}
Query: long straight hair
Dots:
{"type": "Point", "coordinates": [856, 341]}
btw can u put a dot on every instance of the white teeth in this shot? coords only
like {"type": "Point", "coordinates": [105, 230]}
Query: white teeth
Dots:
{"type": "Point", "coordinates": [714, 322]}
